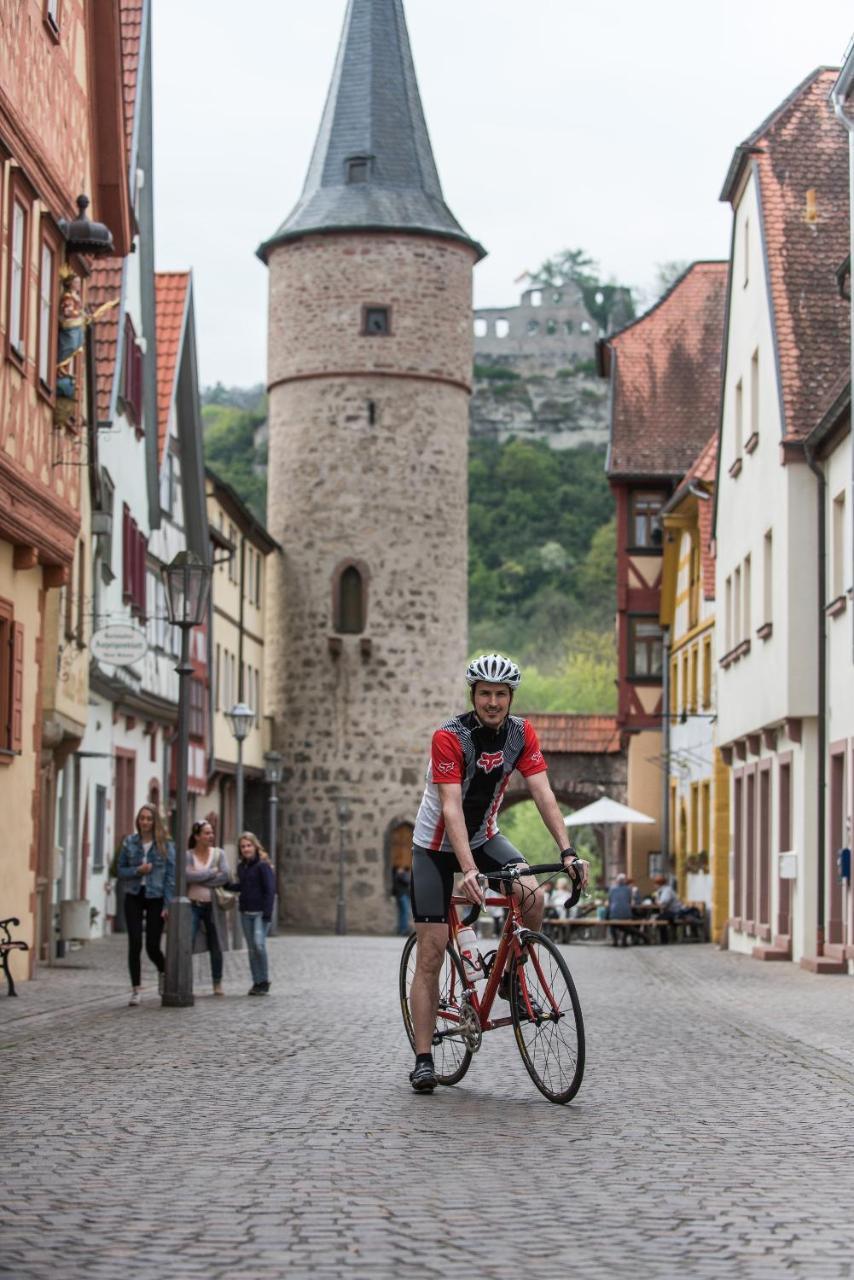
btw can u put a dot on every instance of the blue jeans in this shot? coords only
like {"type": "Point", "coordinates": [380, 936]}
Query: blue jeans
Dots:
{"type": "Point", "coordinates": [203, 919]}
{"type": "Point", "coordinates": [255, 930]}
{"type": "Point", "coordinates": [402, 914]}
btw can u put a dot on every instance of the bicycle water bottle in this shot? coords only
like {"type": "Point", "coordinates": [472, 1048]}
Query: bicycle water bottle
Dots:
{"type": "Point", "coordinates": [470, 955]}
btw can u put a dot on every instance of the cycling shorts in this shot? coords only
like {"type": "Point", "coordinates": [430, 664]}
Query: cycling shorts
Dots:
{"type": "Point", "coordinates": [433, 875]}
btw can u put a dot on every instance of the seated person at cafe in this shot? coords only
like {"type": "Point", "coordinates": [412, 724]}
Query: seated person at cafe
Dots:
{"type": "Point", "coordinates": [620, 908]}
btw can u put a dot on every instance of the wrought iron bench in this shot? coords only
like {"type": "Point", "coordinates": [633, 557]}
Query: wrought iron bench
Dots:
{"type": "Point", "coordinates": [7, 944]}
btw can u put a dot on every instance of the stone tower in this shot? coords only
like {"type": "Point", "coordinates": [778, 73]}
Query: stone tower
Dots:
{"type": "Point", "coordinates": [369, 373]}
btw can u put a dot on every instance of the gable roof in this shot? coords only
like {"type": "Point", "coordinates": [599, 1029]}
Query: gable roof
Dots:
{"type": "Point", "coordinates": [701, 475]}
{"type": "Point", "coordinates": [665, 371]}
{"type": "Point", "coordinates": [586, 735]}
{"type": "Point", "coordinates": [373, 111]}
{"type": "Point", "coordinates": [106, 283]}
{"type": "Point", "coordinates": [131, 17]}
{"type": "Point", "coordinates": [800, 159]}
{"type": "Point", "coordinates": [171, 294]}
{"type": "Point", "coordinates": [107, 279]}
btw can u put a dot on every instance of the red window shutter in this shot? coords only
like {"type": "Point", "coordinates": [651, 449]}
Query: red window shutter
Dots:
{"type": "Point", "coordinates": [17, 700]}
{"type": "Point", "coordinates": [126, 553]}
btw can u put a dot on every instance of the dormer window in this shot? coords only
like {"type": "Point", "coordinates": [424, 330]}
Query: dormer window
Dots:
{"type": "Point", "coordinates": [358, 168]}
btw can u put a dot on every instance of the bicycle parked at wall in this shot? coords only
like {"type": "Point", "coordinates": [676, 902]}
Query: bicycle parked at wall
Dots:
{"type": "Point", "coordinates": [545, 1012]}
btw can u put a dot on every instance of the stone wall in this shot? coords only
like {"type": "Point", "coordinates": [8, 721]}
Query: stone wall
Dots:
{"type": "Point", "coordinates": [367, 463]}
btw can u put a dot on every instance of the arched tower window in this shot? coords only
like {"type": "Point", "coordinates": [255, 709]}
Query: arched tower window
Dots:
{"type": "Point", "coordinates": [350, 603]}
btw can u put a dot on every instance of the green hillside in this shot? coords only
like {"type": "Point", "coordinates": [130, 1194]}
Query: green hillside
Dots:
{"type": "Point", "coordinates": [541, 551]}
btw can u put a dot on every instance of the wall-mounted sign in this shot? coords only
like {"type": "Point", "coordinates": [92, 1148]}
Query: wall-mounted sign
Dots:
{"type": "Point", "coordinates": [788, 866]}
{"type": "Point", "coordinates": [119, 644]}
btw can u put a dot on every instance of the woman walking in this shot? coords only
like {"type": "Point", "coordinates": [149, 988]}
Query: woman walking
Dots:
{"type": "Point", "coordinates": [207, 868]}
{"type": "Point", "coordinates": [257, 885]}
{"type": "Point", "coordinates": [144, 858]}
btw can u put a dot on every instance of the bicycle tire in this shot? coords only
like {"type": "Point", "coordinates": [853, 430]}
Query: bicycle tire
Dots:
{"type": "Point", "coordinates": [450, 1059]}
{"type": "Point", "coordinates": [554, 1058]}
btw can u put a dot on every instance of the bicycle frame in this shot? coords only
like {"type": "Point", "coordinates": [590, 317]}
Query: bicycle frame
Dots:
{"type": "Point", "coordinates": [508, 943]}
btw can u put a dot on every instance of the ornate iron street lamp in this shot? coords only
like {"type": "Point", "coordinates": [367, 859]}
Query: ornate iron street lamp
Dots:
{"type": "Point", "coordinates": [187, 581]}
{"type": "Point", "coordinates": [344, 816]}
{"type": "Point", "coordinates": [273, 776]}
{"type": "Point", "coordinates": [241, 719]}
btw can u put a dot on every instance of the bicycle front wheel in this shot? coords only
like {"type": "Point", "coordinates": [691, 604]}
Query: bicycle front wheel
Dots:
{"type": "Point", "coordinates": [547, 1019]}
{"type": "Point", "coordinates": [451, 1058]}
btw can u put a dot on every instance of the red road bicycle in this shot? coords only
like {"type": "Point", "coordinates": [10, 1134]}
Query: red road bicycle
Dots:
{"type": "Point", "coordinates": [544, 1009]}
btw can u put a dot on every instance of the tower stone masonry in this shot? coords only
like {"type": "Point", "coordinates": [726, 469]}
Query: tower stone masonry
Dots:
{"type": "Point", "coordinates": [369, 374]}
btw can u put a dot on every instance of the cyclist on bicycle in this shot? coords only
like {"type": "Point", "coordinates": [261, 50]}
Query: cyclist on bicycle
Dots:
{"type": "Point", "coordinates": [472, 759]}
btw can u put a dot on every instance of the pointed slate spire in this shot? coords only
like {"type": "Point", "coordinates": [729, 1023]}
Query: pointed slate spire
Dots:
{"type": "Point", "coordinates": [372, 167]}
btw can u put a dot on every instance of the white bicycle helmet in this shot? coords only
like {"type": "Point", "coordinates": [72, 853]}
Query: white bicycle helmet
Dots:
{"type": "Point", "coordinates": [494, 668]}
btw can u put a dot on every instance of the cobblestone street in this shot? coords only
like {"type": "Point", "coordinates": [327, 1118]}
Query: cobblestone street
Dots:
{"type": "Point", "coordinates": [261, 1138]}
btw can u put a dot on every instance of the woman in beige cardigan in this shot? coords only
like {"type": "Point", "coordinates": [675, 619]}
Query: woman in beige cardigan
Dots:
{"type": "Point", "coordinates": [207, 867]}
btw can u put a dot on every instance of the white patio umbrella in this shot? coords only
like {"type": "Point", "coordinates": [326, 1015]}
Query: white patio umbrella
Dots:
{"type": "Point", "coordinates": [605, 811]}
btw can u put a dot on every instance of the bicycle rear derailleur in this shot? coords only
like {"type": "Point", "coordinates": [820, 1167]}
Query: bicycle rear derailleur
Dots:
{"type": "Point", "coordinates": [470, 1028]}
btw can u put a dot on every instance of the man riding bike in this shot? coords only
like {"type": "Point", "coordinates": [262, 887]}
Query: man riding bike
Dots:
{"type": "Point", "coordinates": [472, 759]}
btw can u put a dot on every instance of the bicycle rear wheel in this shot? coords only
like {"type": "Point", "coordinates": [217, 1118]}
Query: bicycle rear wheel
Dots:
{"type": "Point", "coordinates": [451, 1058]}
{"type": "Point", "coordinates": [547, 1019]}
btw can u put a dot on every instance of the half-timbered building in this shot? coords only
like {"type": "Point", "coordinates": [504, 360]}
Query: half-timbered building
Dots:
{"type": "Point", "coordinates": [664, 371]}
{"type": "Point", "coordinates": [61, 136]}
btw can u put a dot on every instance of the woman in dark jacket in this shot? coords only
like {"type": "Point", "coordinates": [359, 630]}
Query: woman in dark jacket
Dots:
{"type": "Point", "coordinates": [257, 886]}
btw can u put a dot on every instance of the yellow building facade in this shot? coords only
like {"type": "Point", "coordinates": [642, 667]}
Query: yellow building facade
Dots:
{"type": "Point", "coordinates": [238, 590]}
{"type": "Point", "coordinates": [698, 778]}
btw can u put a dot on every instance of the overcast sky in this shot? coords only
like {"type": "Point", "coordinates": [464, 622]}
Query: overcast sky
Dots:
{"type": "Point", "coordinates": [555, 123]}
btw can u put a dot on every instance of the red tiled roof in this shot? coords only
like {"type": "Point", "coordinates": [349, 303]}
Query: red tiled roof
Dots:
{"type": "Point", "coordinates": [131, 29]}
{"type": "Point", "coordinates": [171, 288]}
{"type": "Point", "coordinates": [586, 735]}
{"type": "Point", "coordinates": [105, 284]}
{"type": "Point", "coordinates": [801, 159]}
{"type": "Point", "coordinates": [702, 473]}
{"type": "Point", "coordinates": [666, 374]}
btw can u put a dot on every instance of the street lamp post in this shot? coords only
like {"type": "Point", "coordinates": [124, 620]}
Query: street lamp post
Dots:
{"type": "Point", "coordinates": [241, 718]}
{"type": "Point", "coordinates": [187, 582]}
{"type": "Point", "coordinates": [273, 776]}
{"type": "Point", "coordinates": [341, 911]}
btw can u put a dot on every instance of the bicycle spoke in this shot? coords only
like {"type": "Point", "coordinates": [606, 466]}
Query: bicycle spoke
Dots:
{"type": "Point", "coordinates": [552, 1041]}
{"type": "Point", "coordinates": [450, 1055]}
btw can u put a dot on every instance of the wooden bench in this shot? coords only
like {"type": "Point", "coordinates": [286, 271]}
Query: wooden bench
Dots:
{"type": "Point", "coordinates": [7, 944]}
{"type": "Point", "coordinates": [646, 927]}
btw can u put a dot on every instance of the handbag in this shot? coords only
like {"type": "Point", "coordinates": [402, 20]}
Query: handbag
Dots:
{"type": "Point", "coordinates": [226, 899]}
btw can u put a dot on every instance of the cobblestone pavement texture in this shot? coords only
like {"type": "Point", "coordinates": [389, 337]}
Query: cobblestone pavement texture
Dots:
{"type": "Point", "coordinates": [279, 1137]}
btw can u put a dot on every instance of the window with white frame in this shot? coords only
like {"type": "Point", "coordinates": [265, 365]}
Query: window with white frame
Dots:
{"type": "Point", "coordinates": [768, 577]}
{"type": "Point", "coordinates": [18, 270]}
{"type": "Point", "coordinates": [747, 609]}
{"type": "Point", "coordinates": [739, 418]}
{"type": "Point", "coordinates": [837, 568]}
{"type": "Point", "coordinates": [46, 288]}
{"type": "Point", "coordinates": [754, 394]}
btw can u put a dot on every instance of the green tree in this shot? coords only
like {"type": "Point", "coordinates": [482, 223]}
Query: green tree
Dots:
{"type": "Point", "coordinates": [231, 452]}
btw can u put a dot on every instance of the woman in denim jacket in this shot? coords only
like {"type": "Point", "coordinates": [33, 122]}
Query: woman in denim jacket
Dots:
{"type": "Point", "coordinates": [144, 860]}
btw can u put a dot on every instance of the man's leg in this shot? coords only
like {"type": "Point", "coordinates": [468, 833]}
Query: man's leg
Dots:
{"type": "Point", "coordinates": [432, 940]}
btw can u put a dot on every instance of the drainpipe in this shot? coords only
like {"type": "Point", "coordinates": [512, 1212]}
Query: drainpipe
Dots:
{"type": "Point", "coordinates": [665, 719]}
{"type": "Point", "coordinates": [840, 92]}
{"type": "Point", "coordinates": [809, 453]}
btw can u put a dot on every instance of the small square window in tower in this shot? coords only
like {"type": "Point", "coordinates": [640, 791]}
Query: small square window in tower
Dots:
{"type": "Point", "coordinates": [376, 321]}
{"type": "Point", "coordinates": [358, 168]}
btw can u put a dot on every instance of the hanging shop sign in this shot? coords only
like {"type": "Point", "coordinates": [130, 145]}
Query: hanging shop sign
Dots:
{"type": "Point", "coordinates": [119, 644]}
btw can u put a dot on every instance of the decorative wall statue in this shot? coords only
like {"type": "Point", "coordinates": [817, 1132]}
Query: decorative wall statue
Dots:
{"type": "Point", "coordinates": [74, 319]}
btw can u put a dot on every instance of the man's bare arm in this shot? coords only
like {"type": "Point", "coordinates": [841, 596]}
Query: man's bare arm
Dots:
{"type": "Point", "coordinates": [549, 810]}
{"type": "Point", "coordinates": [451, 799]}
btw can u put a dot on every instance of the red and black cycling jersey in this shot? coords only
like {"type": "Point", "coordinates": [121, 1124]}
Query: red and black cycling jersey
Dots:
{"type": "Point", "coordinates": [481, 760]}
